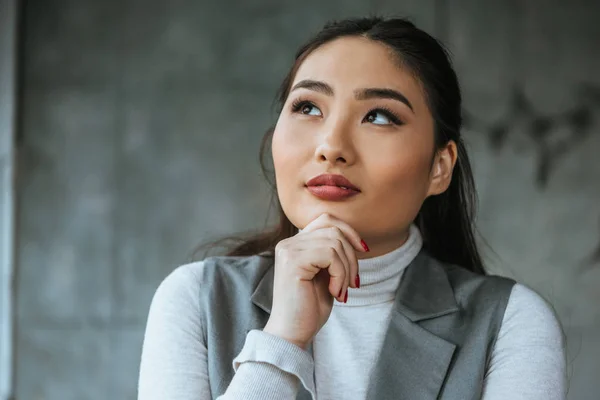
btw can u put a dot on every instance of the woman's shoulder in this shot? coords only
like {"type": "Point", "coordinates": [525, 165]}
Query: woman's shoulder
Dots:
{"type": "Point", "coordinates": [521, 305]}
{"type": "Point", "coordinates": [529, 315]}
{"type": "Point", "coordinates": [472, 289]}
{"type": "Point", "coordinates": [185, 283]}
{"type": "Point", "coordinates": [179, 289]}
{"type": "Point", "coordinates": [234, 265]}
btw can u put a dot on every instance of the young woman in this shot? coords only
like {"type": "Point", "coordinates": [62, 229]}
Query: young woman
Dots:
{"type": "Point", "coordinates": [371, 286]}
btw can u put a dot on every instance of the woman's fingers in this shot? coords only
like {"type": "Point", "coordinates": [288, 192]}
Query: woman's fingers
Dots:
{"type": "Point", "coordinates": [326, 221]}
{"type": "Point", "coordinates": [353, 274]}
{"type": "Point", "coordinates": [334, 238]}
{"type": "Point", "coordinates": [335, 229]}
{"type": "Point", "coordinates": [345, 241]}
{"type": "Point", "coordinates": [316, 244]}
{"type": "Point", "coordinates": [328, 258]}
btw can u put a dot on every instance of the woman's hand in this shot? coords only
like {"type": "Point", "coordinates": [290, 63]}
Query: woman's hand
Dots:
{"type": "Point", "coordinates": [311, 269]}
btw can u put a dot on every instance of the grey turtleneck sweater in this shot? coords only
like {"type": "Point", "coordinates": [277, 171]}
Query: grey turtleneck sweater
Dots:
{"type": "Point", "coordinates": [527, 361]}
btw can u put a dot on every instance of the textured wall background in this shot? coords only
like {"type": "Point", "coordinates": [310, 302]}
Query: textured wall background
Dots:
{"type": "Point", "coordinates": [8, 46]}
{"type": "Point", "coordinates": [141, 125]}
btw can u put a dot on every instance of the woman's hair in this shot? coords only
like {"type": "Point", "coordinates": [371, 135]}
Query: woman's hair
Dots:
{"type": "Point", "coordinates": [445, 220]}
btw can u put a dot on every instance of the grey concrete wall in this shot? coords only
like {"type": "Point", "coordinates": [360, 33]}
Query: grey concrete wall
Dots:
{"type": "Point", "coordinates": [141, 128]}
{"type": "Point", "coordinates": [8, 46]}
{"type": "Point", "coordinates": [530, 78]}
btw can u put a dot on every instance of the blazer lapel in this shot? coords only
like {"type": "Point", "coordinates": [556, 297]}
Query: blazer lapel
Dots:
{"type": "Point", "coordinates": [262, 297]}
{"type": "Point", "coordinates": [413, 361]}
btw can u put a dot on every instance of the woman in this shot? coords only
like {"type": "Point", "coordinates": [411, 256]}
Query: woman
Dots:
{"type": "Point", "coordinates": [372, 286]}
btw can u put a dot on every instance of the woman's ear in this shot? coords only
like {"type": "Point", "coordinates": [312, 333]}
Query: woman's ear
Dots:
{"type": "Point", "coordinates": [441, 171]}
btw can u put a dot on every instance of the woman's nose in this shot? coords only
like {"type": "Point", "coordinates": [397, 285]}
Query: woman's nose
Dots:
{"type": "Point", "coordinates": [335, 146]}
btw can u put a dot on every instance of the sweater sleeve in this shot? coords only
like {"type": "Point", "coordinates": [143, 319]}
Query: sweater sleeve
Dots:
{"type": "Point", "coordinates": [528, 361]}
{"type": "Point", "coordinates": [277, 360]}
{"type": "Point", "coordinates": [174, 362]}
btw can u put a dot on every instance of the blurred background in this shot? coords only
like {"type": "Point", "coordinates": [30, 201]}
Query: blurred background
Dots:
{"type": "Point", "coordinates": [130, 130]}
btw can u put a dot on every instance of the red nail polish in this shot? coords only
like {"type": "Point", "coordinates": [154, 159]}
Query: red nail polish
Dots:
{"type": "Point", "coordinates": [346, 297]}
{"type": "Point", "coordinates": [364, 245]}
{"type": "Point", "coordinates": [357, 281]}
{"type": "Point", "coordinates": [340, 293]}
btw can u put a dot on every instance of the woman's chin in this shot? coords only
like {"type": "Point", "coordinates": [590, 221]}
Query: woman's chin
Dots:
{"type": "Point", "coordinates": [310, 213]}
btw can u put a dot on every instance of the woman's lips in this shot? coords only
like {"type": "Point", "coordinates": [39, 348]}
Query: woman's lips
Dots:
{"type": "Point", "coordinates": [333, 193]}
{"type": "Point", "coordinates": [332, 187]}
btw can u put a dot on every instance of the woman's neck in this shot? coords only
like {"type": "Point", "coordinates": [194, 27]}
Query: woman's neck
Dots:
{"type": "Point", "coordinates": [380, 275]}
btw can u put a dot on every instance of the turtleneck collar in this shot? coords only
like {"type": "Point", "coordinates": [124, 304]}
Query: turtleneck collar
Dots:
{"type": "Point", "coordinates": [380, 276]}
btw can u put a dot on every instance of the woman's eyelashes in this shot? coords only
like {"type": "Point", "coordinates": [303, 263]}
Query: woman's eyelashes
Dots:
{"type": "Point", "coordinates": [377, 116]}
{"type": "Point", "coordinates": [305, 107]}
{"type": "Point", "coordinates": [382, 116]}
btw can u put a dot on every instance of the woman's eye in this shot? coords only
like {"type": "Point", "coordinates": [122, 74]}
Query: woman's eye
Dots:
{"type": "Point", "coordinates": [306, 108]}
{"type": "Point", "coordinates": [310, 109]}
{"type": "Point", "coordinates": [382, 117]}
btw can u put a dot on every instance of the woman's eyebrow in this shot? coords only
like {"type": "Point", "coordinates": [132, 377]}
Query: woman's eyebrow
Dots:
{"type": "Point", "coordinates": [359, 94]}
{"type": "Point", "coordinates": [381, 93]}
{"type": "Point", "coordinates": [317, 86]}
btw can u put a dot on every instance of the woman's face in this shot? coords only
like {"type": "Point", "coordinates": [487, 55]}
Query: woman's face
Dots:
{"type": "Point", "coordinates": [353, 111]}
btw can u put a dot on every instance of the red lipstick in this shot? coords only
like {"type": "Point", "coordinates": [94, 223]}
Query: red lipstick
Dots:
{"type": "Point", "coordinates": [332, 187]}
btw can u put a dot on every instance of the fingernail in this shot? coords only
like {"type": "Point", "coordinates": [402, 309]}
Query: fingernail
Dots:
{"type": "Point", "coordinates": [357, 281]}
{"type": "Point", "coordinates": [364, 245]}
{"type": "Point", "coordinates": [346, 297]}
{"type": "Point", "coordinates": [340, 294]}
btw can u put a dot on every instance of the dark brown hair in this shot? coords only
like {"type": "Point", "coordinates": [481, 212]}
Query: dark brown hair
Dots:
{"type": "Point", "coordinates": [445, 220]}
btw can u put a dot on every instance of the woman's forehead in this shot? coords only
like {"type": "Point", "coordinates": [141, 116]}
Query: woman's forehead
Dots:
{"type": "Point", "coordinates": [356, 62]}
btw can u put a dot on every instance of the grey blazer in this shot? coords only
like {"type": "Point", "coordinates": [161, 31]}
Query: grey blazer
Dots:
{"type": "Point", "coordinates": [441, 334]}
